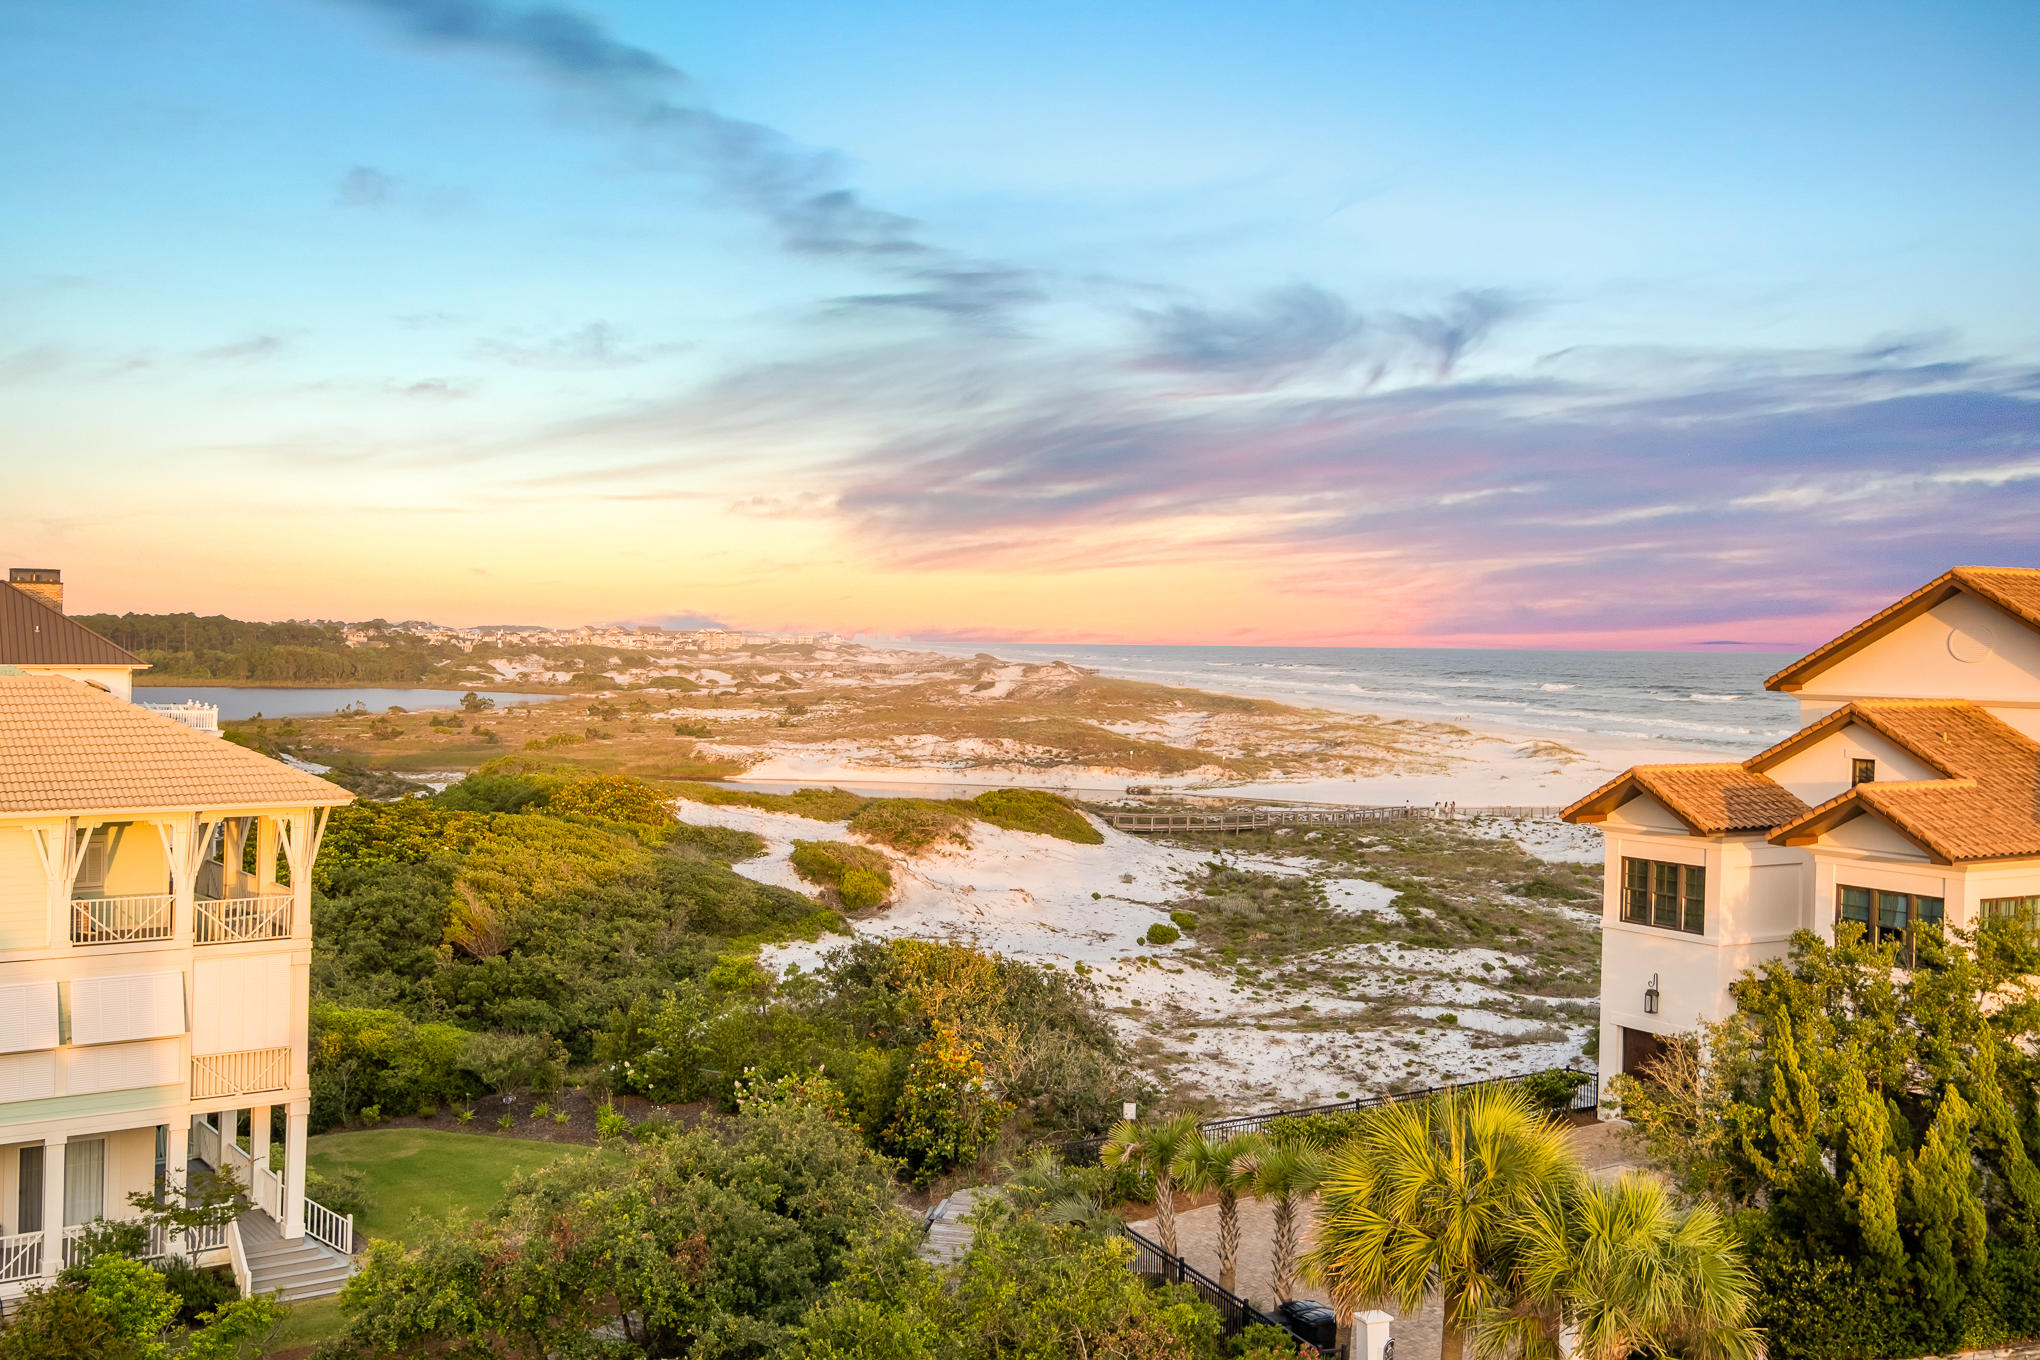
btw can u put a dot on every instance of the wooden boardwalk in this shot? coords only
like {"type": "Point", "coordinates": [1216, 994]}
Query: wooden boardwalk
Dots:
{"type": "Point", "coordinates": [1261, 818]}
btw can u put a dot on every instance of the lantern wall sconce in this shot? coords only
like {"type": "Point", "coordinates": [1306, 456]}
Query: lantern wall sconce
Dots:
{"type": "Point", "coordinates": [1650, 996]}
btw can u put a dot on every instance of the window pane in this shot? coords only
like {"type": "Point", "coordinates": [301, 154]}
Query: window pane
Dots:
{"type": "Point", "coordinates": [1636, 891]}
{"type": "Point", "coordinates": [1696, 899]}
{"type": "Point", "coordinates": [1856, 905]}
{"type": "Point", "coordinates": [84, 1181]}
{"type": "Point", "coordinates": [1890, 916]}
{"type": "Point", "coordinates": [1664, 896]}
{"type": "Point", "coordinates": [1928, 909]}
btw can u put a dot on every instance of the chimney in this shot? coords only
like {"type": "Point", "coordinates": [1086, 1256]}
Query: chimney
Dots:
{"type": "Point", "coordinates": [45, 583]}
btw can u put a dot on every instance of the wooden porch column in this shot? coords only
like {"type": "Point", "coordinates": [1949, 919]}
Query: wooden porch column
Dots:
{"type": "Point", "coordinates": [265, 856]}
{"type": "Point", "coordinates": [176, 1157]}
{"type": "Point", "coordinates": [297, 1118]}
{"type": "Point", "coordinates": [258, 1145]}
{"type": "Point", "coordinates": [53, 1205]}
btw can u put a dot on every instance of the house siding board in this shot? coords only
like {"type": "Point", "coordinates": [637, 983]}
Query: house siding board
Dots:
{"type": "Point", "coordinates": [24, 893]}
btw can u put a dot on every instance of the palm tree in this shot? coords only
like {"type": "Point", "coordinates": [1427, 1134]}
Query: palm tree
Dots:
{"type": "Point", "coordinates": [1626, 1272]}
{"type": "Point", "coordinates": [1430, 1195]}
{"type": "Point", "coordinates": [1208, 1163]}
{"type": "Point", "coordinates": [1285, 1174]}
{"type": "Point", "coordinates": [1152, 1146]}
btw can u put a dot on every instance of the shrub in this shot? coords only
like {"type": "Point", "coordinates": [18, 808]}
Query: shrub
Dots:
{"type": "Point", "coordinates": [541, 1111]}
{"type": "Point", "coordinates": [1159, 933]}
{"type": "Point", "coordinates": [505, 1122]}
{"type": "Point", "coordinates": [466, 1116]}
{"type": "Point", "coordinates": [382, 729]}
{"type": "Point", "coordinates": [1313, 1130]}
{"type": "Point", "coordinates": [344, 1191]}
{"type": "Point", "coordinates": [821, 805]}
{"type": "Point", "coordinates": [1032, 810]}
{"type": "Point", "coordinates": [610, 1123]}
{"type": "Point", "coordinates": [1186, 921]}
{"type": "Point", "coordinates": [199, 1291]}
{"type": "Point", "coordinates": [513, 1062]}
{"type": "Point", "coordinates": [560, 1117]}
{"type": "Point", "coordinates": [1554, 1089]}
{"type": "Point", "coordinates": [612, 798]}
{"type": "Point", "coordinates": [861, 876]}
{"type": "Point", "coordinates": [910, 825]}
{"type": "Point", "coordinates": [1552, 890]}
{"type": "Point", "coordinates": [947, 1113]}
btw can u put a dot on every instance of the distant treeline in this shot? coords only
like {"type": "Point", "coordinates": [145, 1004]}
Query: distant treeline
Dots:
{"type": "Point", "coordinates": [190, 647]}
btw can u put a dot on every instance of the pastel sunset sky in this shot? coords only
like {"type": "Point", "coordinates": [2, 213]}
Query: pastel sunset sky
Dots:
{"type": "Point", "coordinates": [1588, 324]}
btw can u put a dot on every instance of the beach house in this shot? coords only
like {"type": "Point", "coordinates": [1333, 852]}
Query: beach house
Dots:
{"type": "Point", "coordinates": [1910, 796]}
{"type": "Point", "coordinates": [155, 954]}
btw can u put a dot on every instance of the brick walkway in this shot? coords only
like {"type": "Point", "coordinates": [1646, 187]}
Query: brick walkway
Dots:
{"type": "Point", "coordinates": [1602, 1147]}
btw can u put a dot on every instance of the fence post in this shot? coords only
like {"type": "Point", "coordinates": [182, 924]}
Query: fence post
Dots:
{"type": "Point", "coordinates": [1370, 1335]}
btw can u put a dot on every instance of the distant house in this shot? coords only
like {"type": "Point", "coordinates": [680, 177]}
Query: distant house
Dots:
{"type": "Point", "coordinates": [155, 956]}
{"type": "Point", "coordinates": [1910, 798]}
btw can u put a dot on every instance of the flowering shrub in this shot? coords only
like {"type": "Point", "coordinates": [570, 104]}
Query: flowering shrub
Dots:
{"type": "Point", "coordinates": [800, 1088]}
{"type": "Point", "coordinates": [948, 1113]}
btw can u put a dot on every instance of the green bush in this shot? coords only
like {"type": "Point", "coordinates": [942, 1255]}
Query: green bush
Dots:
{"type": "Point", "coordinates": [910, 825]}
{"type": "Point", "coordinates": [1554, 1088]}
{"type": "Point", "coordinates": [1162, 934]}
{"type": "Point", "coordinates": [1186, 921]}
{"type": "Point", "coordinates": [344, 1191]}
{"type": "Point", "coordinates": [1313, 1130]}
{"type": "Point", "coordinates": [610, 1123]}
{"type": "Point", "coordinates": [820, 805]}
{"type": "Point", "coordinates": [861, 876]}
{"type": "Point", "coordinates": [1032, 810]}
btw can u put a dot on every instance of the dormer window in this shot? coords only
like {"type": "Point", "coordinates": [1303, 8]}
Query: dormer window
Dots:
{"type": "Point", "coordinates": [1862, 772]}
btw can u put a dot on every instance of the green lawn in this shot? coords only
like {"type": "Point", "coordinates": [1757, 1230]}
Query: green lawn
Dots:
{"type": "Point", "coordinates": [410, 1170]}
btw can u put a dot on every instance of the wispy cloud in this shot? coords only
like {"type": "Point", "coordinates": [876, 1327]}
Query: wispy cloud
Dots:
{"type": "Point", "coordinates": [801, 191]}
{"type": "Point", "coordinates": [364, 186]}
{"type": "Point", "coordinates": [251, 350]}
{"type": "Point", "coordinates": [597, 345]}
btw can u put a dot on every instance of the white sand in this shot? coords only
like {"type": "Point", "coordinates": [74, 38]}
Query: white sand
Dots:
{"type": "Point", "coordinates": [1061, 905]}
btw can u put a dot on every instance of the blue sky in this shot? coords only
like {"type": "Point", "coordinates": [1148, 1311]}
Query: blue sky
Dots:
{"type": "Point", "coordinates": [1594, 324]}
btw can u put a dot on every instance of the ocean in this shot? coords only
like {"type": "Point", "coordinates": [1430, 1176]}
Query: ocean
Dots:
{"type": "Point", "coordinates": [1708, 703]}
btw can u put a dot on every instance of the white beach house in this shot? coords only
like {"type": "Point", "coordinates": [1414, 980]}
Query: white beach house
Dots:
{"type": "Point", "coordinates": [1912, 794]}
{"type": "Point", "coordinates": [155, 954]}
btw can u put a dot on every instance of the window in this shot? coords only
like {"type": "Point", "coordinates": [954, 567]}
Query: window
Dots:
{"type": "Point", "coordinates": [28, 1208]}
{"type": "Point", "coordinates": [1888, 917]}
{"type": "Point", "coordinates": [2024, 910]}
{"type": "Point", "coordinates": [84, 1181]}
{"type": "Point", "coordinates": [1669, 896]}
{"type": "Point", "coordinates": [1862, 772]}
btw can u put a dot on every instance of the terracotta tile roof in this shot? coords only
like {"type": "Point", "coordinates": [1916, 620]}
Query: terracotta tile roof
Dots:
{"type": "Point", "coordinates": [1712, 800]}
{"type": "Point", "coordinates": [33, 634]}
{"type": "Point", "coordinates": [2016, 590]}
{"type": "Point", "coordinates": [66, 747]}
{"type": "Point", "coordinates": [1987, 806]}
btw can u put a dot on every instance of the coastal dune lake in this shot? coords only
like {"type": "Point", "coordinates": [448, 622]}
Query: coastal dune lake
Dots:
{"type": "Point", "coordinates": [245, 701]}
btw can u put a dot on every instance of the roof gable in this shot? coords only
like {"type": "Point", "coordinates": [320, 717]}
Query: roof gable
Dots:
{"type": "Point", "coordinates": [1711, 800]}
{"type": "Point", "coordinates": [33, 634]}
{"type": "Point", "coordinates": [2014, 590]}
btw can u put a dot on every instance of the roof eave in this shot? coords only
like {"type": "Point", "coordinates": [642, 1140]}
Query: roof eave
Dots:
{"type": "Point", "coordinates": [1794, 677]}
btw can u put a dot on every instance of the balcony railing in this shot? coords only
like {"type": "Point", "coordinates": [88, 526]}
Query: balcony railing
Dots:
{"type": "Point", "coordinates": [235, 1074]}
{"type": "Point", "coordinates": [121, 920]}
{"type": "Point", "coordinates": [204, 717]}
{"type": "Point", "coordinates": [21, 1257]}
{"type": "Point", "coordinates": [231, 919]}
{"type": "Point", "coordinates": [335, 1230]}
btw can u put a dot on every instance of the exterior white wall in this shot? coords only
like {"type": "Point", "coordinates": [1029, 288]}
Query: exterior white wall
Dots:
{"type": "Point", "coordinates": [24, 899]}
{"type": "Point", "coordinates": [118, 681]}
{"type": "Point", "coordinates": [1823, 770]}
{"type": "Point", "coordinates": [1963, 648]}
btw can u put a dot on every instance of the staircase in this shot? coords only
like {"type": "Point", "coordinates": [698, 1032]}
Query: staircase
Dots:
{"type": "Point", "coordinates": [304, 1269]}
{"type": "Point", "coordinates": [949, 1237]}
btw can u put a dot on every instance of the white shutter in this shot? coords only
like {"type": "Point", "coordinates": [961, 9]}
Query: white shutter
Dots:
{"type": "Point", "coordinates": [28, 1076]}
{"type": "Point", "coordinates": [241, 1004]}
{"type": "Point", "coordinates": [135, 1006]}
{"type": "Point", "coordinates": [28, 1017]}
{"type": "Point", "coordinates": [123, 1067]}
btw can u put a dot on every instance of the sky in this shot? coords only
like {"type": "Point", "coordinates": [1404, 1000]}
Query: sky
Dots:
{"type": "Point", "coordinates": [1595, 325]}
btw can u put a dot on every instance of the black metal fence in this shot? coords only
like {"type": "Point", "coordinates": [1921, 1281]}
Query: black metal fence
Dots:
{"type": "Point", "coordinates": [1586, 1097]}
{"type": "Point", "coordinates": [1235, 1314]}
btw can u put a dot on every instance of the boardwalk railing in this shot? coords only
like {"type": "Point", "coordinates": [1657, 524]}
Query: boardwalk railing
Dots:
{"type": "Point", "coordinates": [1258, 818]}
{"type": "Point", "coordinates": [335, 1230]}
{"type": "Point", "coordinates": [1586, 1097]}
{"type": "Point", "coordinates": [1235, 1314]}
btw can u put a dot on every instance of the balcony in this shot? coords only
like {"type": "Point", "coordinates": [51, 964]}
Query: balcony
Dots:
{"type": "Point", "coordinates": [230, 920]}
{"type": "Point", "coordinates": [121, 920]}
{"type": "Point", "coordinates": [239, 1074]}
{"type": "Point", "coordinates": [203, 717]}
